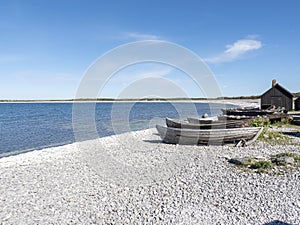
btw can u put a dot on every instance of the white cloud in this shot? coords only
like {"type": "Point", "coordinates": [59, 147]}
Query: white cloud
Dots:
{"type": "Point", "coordinates": [236, 50]}
{"type": "Point", "coordinates": [140, 36]}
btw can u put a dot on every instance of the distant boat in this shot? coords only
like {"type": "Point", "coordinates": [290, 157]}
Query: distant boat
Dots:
{"type": "Point", "coordinates": [212, 125]}
{"type": "Point", "coordinates": [232, 117]}
{"type": "Point", "coordinates": [252, 111]}
{"type": "Point", "coordinates": [211, 137]}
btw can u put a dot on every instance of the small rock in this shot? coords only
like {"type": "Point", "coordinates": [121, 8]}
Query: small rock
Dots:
{"type": "Point", "coordinates": [284, 160]}
{"type": "Point", "coordinates": [259, 157]}
{"type": "Point", "coordinates": [240, 161]}
{"type": "Point", "coordinates": [225, 157]}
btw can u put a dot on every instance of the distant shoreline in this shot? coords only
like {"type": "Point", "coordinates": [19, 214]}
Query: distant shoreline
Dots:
{"type": "Point", "coordinates": [253, 97]}
{"type": "Point", "coordinates": [130, 100]}
{"type": "Point", "coordinates": [237, 102]}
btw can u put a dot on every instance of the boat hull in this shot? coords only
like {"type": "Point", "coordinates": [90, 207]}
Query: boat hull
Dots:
{"type": "Point", "coordinates": [213, 125]}
{"type": "Point", "coordinates": [296, 119]}
{"type": "Point", "coordinates": [211, 137]}
{"type": "Point", "coordinates": [202, 121]}
{"type": "Point", "coordinates": [253, 112]}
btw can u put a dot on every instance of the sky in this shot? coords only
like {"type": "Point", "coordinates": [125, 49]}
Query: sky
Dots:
{"type": "Point", "coordinates": [46, 47]}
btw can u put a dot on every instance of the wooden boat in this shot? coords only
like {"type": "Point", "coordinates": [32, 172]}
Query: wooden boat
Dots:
{"type": "Point", "coordinates": [208, 120]}
{"type": "Point", "coordinates": [277, 116]}
{"type": "Point", "coordinates": [232, 117]}
{"type": "Point", "coordinates": [252, 111]}
{"type": "Point", "coordinates": [241, 121]}
{"type": "Point", "coordinates": [213, 125]}
{"type": "Point", "coordinates": [211, 137]}
{"type": "Point", "coordinates": [296, 119]}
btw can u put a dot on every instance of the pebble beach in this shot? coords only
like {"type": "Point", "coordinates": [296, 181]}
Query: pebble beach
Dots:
{"type": "Point", "coordinates": [134, 178]}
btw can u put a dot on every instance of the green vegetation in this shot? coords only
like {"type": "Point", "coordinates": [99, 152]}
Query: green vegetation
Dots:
{"type": "Point", "coordinates": [245, 162]}
{"type": "Point", "coordinates": [270, 136]}
{"type": "Point", "coordinates": [260, 122]}
{"type": "Point", "coordinates": [274, 137]}
{"type": "Point", "coordinates": [297, 158]}
{"type": "Point", "coordinates": [268, 164]}
{"type": "Point", "coordinates": [265, 122]}
{"type": "Point", "coordinates": [288, 154]}
{"type": "Point", "coordinates": [262, 166]}
{"type": "Point", "coordinates": [296, 127]}
{"type": "Point", "coordinates": [283, 122]}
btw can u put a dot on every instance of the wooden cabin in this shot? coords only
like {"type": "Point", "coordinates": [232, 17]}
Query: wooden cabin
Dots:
{"type": "Point", "coordinates": [277, 96]}
{"type": "Point", "coordinates": [297, 104]}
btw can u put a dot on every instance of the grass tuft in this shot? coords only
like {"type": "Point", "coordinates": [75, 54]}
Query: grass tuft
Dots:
{"type": "Point", "coordinates": [263, 166]}
{"type": "Point", "coordinates": [274, 137]}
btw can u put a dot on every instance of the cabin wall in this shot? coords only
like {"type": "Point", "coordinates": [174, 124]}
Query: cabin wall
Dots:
{"type": "Point", "coordinates": [297, 104]}
{"type": "Point", "coordinates": [277, 98]}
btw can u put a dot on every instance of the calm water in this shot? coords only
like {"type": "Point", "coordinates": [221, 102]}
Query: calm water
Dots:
{"type": "Point", "coordinates": [30, 126]}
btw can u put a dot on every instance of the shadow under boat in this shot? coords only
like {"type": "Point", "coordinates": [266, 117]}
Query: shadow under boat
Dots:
{"type": "Point", "coordinates": [277, 222]}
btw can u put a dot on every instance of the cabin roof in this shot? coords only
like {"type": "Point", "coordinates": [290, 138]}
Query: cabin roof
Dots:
{"type": "Point", "coordinates": [281, 89]}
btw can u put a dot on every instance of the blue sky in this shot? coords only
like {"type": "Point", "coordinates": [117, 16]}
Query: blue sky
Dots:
{"type": "Point", "coordinates": [46, 46]}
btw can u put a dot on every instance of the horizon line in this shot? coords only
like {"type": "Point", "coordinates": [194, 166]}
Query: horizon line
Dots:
{"type": "Point", "coordinates": [128, 99]}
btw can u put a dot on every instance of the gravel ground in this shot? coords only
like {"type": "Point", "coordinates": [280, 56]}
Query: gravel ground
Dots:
{"type": "Point", "coordinates": [133, 178]}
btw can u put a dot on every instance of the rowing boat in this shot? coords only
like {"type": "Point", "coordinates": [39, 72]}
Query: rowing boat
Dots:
{"type": "Point", "coordinates": [252, 111]}
{"type": "Point", "coordinates": [210, 137]}
{"type": "Point", "coordinates": [232, 117]}
{"type": "Point", "coordinates": [213, 125]}
{"type": "Point", "coordinates": [296, 119]}
{"type": "Point", "coordinates": [208, 120]}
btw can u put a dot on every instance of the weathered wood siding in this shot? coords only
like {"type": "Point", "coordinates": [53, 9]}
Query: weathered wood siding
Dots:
{"type": "Point", "coordinates": [297, 104]}
{"type": "Point", "coordinates": [276, 97]}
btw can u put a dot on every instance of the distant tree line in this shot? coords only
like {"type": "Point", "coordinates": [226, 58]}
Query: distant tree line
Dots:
{"type": "Point", "coordinates": [297, 94]}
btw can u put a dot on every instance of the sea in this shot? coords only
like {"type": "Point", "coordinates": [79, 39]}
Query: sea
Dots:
{"type": "Point", "coordinates": [33, 126]}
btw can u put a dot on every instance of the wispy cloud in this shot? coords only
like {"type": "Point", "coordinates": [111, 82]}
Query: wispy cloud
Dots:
{"type": "Point", "coordinates": [140, 36]}
{"type": "Point", "coordinates": [236, 50]}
